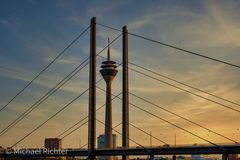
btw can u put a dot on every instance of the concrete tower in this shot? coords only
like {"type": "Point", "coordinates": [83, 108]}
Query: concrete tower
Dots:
{"type": "Point", "coordinates": [108, 72]}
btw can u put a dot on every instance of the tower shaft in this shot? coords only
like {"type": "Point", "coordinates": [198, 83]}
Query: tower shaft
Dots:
{"type": "Point", "coordinates": [108, 140]}
{"type": "Point", "coordinates": [108, 116]}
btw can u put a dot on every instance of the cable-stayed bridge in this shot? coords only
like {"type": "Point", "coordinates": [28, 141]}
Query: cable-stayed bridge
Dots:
{"type": "Point", "coordinates": [89, 149]}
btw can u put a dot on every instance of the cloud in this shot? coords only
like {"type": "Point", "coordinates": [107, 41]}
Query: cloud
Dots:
{"type": "Point", "coordinates": [10, 23]}
{"type": "Point", "coordinates": [215, 29]}
{"type": "Point", "coordinates": [210, 79]}
{"type": "Point", "coordinates": [144, 21]}
{"type": "Point", "coordinates": [47, 80]}
{"type": "Point", "coordinates": [75, 19]}
{"type": "Point", "coordinates": [67, 60]}
{"type": "Point", "coordinates": [23, 76]}
{"type": "Point", "coordinates": [32, 2]}
{"type": "Point", "coordinates": [104, 8]}
{"type": "Point", "coordinates": [213, 33]}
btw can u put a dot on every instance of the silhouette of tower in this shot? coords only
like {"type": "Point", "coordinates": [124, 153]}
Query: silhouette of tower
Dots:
{"type": "Point", "coordinates": [108, 72]}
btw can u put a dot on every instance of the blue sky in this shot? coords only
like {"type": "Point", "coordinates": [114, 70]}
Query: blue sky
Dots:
{"type": "Point", "coordinates": [33, 32]}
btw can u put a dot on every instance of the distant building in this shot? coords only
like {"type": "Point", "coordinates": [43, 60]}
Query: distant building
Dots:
{"type": "Point", "coordinates": [233, 157]}
{"type": "Point", "coordinates": [1, 149]}
{"type": "Point", "coordinates": [180, 157]}
{"type": "Point", "coordinates": [53, 143]}
{"type": "Point", "coordinates": [197, 157]}
{"type": "Point", "coordinates": [100, 140]}
{"type": "Point", "coordinates": [100, 144]}
{"type": "Point", "coordinates": [160, 158]}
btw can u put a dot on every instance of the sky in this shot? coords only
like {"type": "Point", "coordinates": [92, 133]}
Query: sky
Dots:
{"type": "Point", "coordinates": [34, 32]}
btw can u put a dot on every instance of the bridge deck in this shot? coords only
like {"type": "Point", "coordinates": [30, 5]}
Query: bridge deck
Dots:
{"type": "Point", "coordinates": [186, 150]}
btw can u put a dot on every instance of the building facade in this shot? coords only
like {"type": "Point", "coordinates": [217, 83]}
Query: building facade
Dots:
{"type": "Point", "coordinates": [100, 141]}
{"type": "Point", "coordinates": [100, 144]}
{"type": "Point", "coordinates": [53, 143]}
